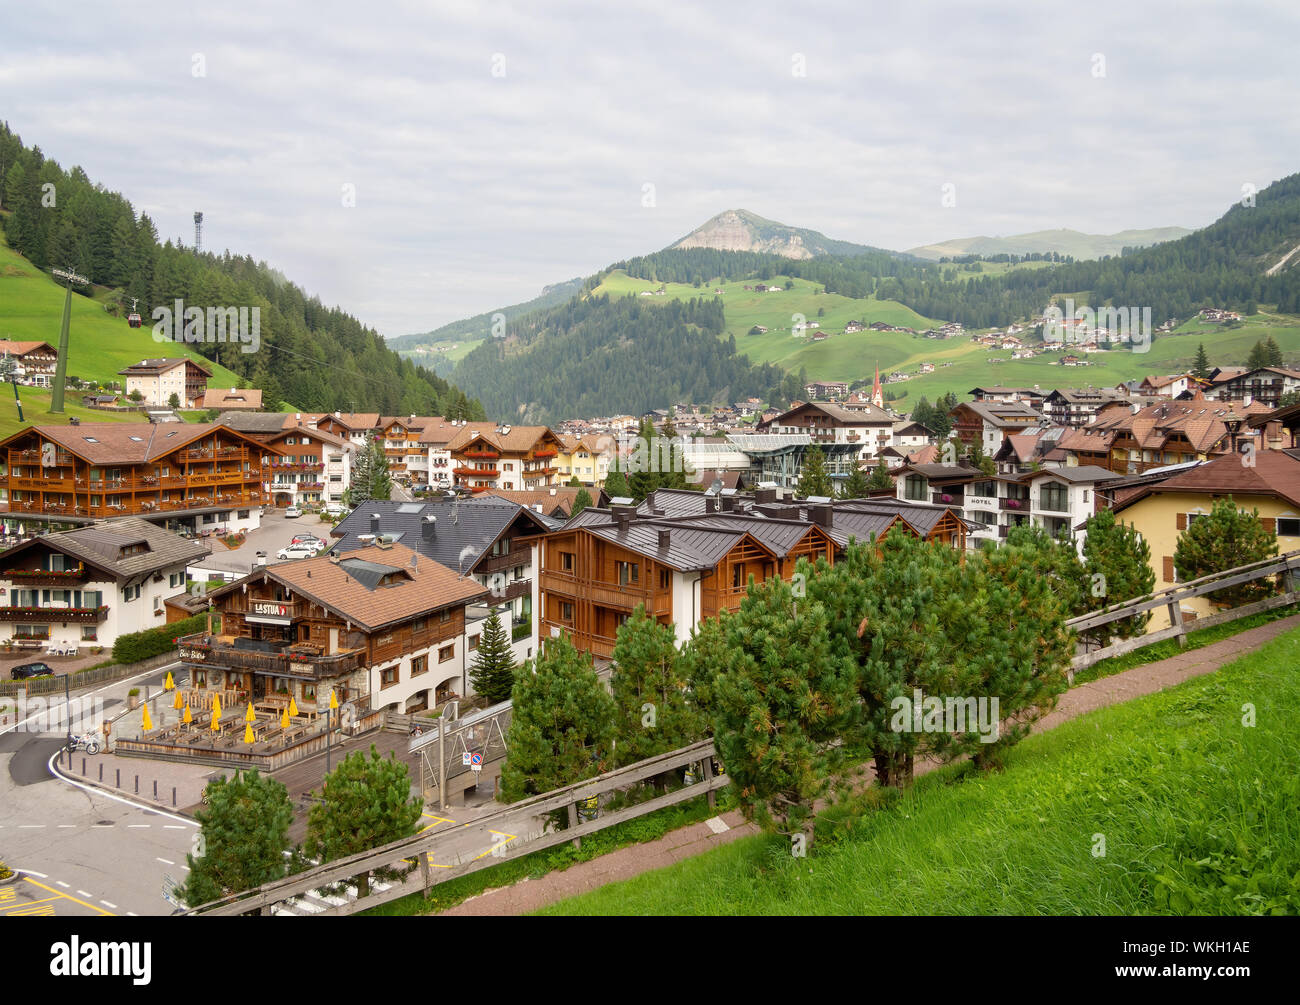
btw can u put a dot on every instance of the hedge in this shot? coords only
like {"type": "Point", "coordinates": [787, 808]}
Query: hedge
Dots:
{"type": "Point", "coordinates": [155, 641]}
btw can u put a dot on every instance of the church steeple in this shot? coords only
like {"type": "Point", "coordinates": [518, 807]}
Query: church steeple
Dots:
{"type": "Point", "coordinates": [877, 394]}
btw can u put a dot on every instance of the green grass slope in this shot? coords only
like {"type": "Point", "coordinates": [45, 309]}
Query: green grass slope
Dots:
{"type": "Point", "coordinates": [1196, 809]}
{"type": "Point", "coordinates": [31, 310]}
{"type": "Point", "coordinates": [1065, 242]}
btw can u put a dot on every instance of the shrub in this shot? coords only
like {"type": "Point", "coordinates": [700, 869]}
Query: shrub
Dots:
{"type": "Point", "coordinates": [155, 641]}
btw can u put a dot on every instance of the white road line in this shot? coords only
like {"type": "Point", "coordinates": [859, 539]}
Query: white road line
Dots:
{"type": "Point", "coordinates": [107, 904]}
{"type": "Point", "coordinates": [29, 827]}
{"type": "Point", "coordinates": [109, 795]}
{"type": "Point", "coordinates": [132, 914]}
{"type": "Point", "coordinates": [134, 826]}
{"type": "Point", "coordinates": [67, 827]}
{"type": "Point", "coordinates": [172, 827]}
{"type": "Point", "coordinates": [29, 872]}
{"type": "Point", "coordinates": [85, 894]}
{"type": "Point", "coordinates": [166, 861]}
{"type": "Point", "coordinates": [66, 886]}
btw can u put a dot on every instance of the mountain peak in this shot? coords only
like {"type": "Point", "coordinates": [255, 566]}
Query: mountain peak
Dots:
{"type": "Point", "coordinates": [744, 230]}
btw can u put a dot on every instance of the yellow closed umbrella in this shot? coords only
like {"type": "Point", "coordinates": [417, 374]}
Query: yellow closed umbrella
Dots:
{"type": "Point", "coordinates": [284, 719]}
{"type": "Point", "coordinates": [179, 702]}
{"type": "Point", "coordinates": [248, 733]}
{"type": "Point", "coordinates": [249, 716]}
{"type": "Point", "coordinates": [216, 705]}
{"type": "Point", "coordinates": [293, 706]}
{"type": "Point", "coordinates": [334, 701]}
{"type": "Point", "coordinates": [169, 684]}
{"type": "Point", "coordinates": [146, 723]}
{"type": "Point", "coordinates": [216, 721]}
{"type": "Point", "coordinates": [187, 718]}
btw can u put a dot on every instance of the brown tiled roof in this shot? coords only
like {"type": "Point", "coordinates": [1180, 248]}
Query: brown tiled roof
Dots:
{"type": "Point", "coordinates": [128, 442]}
{"type": "Point", "coordinates": [354, 420]}
{"type": "Point", "coordinates": [155, 366]}
{"type": "Point", "coordinates": [555, 497]}
{"type": "Point", "coordinates": [424, 587]}
{"type": "Point", "coordinates": [438, 430]}
{"type": "Point", "coordinates": [100, 544]}
{"type": "Point", "coordinates": [519, 439]}
{"type": "Point", "coordinates": [231, 397]}
{"type": "Point", "coordinates": [23, 348]}
{"type": "Point", "coordinates": [1274, 473]}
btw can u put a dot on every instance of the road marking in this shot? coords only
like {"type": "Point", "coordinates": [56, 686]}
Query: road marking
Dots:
{"type": "Point", "coordinates": [57, 773]}
{"type": "Point", "coordinates": [28, 827]}
{"type": "Point", "coordinates": [97, 910]}
{"type": "Point", "coordinates": [67, 826]}
{"type": "Point", "coordinates": [107, 904]}
{"type": "Point", "coordinates": [134, 826]}
{"type": "Point", "coordinates": [29, 872]}
{"type": "Point", "coordinates": [132, 914]}
{"type": "Point", "coordinates": [166, 861]}
{"type": "Point", "coordinates": [498, 844]}
{"type": "Point", "coordinates": [85, 894]}
{"type": "Point", "coordinates": [66, 886]}
{"type": "Point", "coordinates": [173, 827]}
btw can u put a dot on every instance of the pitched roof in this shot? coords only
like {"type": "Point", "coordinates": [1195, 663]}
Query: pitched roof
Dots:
{"type": "Point", "coordinates": [507, 439]}
{"type": "Point", "coordinates": [255, 422]}
{"type": "Point", "coordinates": [126, 442]}
{"type": "Point", "coordinates": [152, 367]}
{"type": "Point", "coordinates": [352, 587]}
{"type": "Point", "coordinates": [463, 531]}
{"type": "Point", "coordinates": [231, 397]}
{"type": "Point", "coordinates": [354, 421]}
{"type": "Point", "coordinates": [23, 348]}
{"type": "Point", "coordinates": [1274, 473]}
{"type": "Point", "coordinates": [552, 499]}
{"type": "Point", "coordinates": [438, 431]}
{"type": "Point", "coordinates": [100, 544]}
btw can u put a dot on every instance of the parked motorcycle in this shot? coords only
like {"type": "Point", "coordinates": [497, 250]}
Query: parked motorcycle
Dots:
{"type": "Point", "coordinates": [89, 742]}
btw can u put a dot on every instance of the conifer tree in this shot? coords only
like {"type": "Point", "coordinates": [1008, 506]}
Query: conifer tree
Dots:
{"type": "Point", "coordinates": [581, 500]}
{"type": "Point", "coordinates": [1202, 367]}
{"type": "Point", "coordinates": [1224, 539]}
{"type": "Point", "coordinates": [880, 478]}
{"type": "Point", "coordinates": [857, 485]}
{"type": "Point", "coordinates": [780, 697]}
{"type": "Point", "coordinates": [562, 723]}
{"type": "Point", "coordinates": [243, 837]}
{"type": "Point", "coordinates": [364, 803]}
{"type": "Point", "coordinates": [813, 479]}
{"type": "Point", "coordinates": [1119, 569]}
{"type": "Point", "coordinates": [493, 672]}
{"type": "Point", "coordinates": [650, 690]}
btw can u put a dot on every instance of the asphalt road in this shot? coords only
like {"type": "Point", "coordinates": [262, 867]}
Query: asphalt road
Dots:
{"type": "Point", "coordinates": [81, 852]}
{"type": "Point", "coordinates": [276, 532]}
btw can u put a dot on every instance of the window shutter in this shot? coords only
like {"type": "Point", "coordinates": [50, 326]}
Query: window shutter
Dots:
{"type": "Point", "coordinates": [1270, 524]}
{"type": "Point", "coordinates": [1182, 521]}
{"type": "Point", "coordinates": [1169, 569]}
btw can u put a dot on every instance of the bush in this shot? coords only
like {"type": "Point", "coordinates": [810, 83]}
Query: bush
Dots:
{"type": "Point", "coordinates": [155, 641]}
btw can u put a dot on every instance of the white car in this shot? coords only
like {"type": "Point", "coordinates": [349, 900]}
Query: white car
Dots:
{"type": "Point", "coordinates": [293, 511]}
{"type": "Point", "coordinates": [336, 509]}
{"type": "Point", "coordinates": [303, 550]}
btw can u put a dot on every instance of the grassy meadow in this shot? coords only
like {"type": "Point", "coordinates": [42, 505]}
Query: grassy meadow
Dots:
{"type": "Point", "coordinates": [1167, 804]}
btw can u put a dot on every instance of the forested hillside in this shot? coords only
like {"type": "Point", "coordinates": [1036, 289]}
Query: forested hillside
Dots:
{"type": "Point", "coordinates": [600, 355]}
{"type": "Point", "coordinates": [316, 357]}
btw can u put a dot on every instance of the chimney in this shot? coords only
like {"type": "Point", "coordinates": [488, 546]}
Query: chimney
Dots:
{"type": "Point", "coordinates": [429, 527]}
{"type": "Point", "coordinates": [710, 504]}
{"type": "Point", "coordinates": [259, 560]}
{"type": "Point", "coordinates": [728, 504]}
{"type": "Point", "coordinates": [765, 495]}
{"type": "Point", "coordinates": [823, 515]}
{"type": "Point", "coordinates": [624, 520]}
{"type": "Point", "coordinates": [664, 539]}
{"type": "Point", "coordinates": [374, 524]}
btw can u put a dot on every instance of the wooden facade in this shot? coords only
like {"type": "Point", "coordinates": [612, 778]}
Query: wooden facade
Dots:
{"type": "Point", "coordinates": [219, 469]}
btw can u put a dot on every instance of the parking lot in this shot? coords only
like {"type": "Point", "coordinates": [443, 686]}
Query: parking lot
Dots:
{"type": "Point", "coordinates": [276, 532]}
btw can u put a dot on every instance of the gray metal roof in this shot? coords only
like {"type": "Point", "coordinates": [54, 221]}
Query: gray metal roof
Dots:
{"type": "Point", "coordinates": [101, 543]}
{"type": "Point", "coordinates": [463, 531]}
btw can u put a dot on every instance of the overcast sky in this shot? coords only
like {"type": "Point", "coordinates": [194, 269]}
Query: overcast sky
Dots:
{"type": "Point", "coordinates": [498, 147]}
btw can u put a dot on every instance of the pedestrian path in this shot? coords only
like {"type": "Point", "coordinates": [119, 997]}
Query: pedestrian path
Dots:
{"type": "Point", "coordinates": [533, 894]}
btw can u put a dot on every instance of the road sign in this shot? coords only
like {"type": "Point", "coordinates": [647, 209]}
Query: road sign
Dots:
{"type": "Point", "coordinates": [476, 761]}
{"type": "Point", "coordinates": [465, 758]}
{"type": "Point", "coordinates": [169, 886]}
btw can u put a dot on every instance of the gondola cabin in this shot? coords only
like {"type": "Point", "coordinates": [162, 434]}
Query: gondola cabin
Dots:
{"type": "Point", "coordinates": [134, 320]}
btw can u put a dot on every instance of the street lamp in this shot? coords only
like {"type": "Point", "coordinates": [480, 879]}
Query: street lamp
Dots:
{"type": "Point", "coordinates": [329, 729]}
{"type": "Point", "coordinates": [1233, 421]}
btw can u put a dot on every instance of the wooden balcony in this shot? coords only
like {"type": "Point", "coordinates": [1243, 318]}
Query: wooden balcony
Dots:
{"type": "Point", "coordinates": [229, 653]}
{"type": "Point", "coordinates": [44, 577]}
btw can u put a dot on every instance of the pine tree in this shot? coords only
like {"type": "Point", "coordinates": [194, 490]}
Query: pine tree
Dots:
{"type": "Point", "coordinates": [370, 477]}
{"type": "Point", "coordinates": [880, 478]}
{"type": "Point", "coordinates": [1202, 367]}
{"type": "Point", "coordinates": [781, 696]}
{"type": "Point", "coordinates": [1225, 539]}
{"type": "Point", "coordinates": [244, 835]}
{"type": "Point", "coordinates": [616, 486]}
{"type": "Point", "coordinates": [1119, 569]}
{"type": "Point", "coordinates": [1258, 355]}
{"type": "Point", "coordinates": [813, 479]}
{"type": "Point", "coordinates": [1272, 352]}
{"type": "Point", "coordinates": [562, 723]}
{"type": "Point", "coordinates": [493, 672]}
{"type": "Point", "coordinates": [364, 803]}
{"type": "Point", "coordinates": [857, 485]}
{"type": "Point", "coordinates": [581, 500]}
{"type": "Point", "coordinates": [650, 691]}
